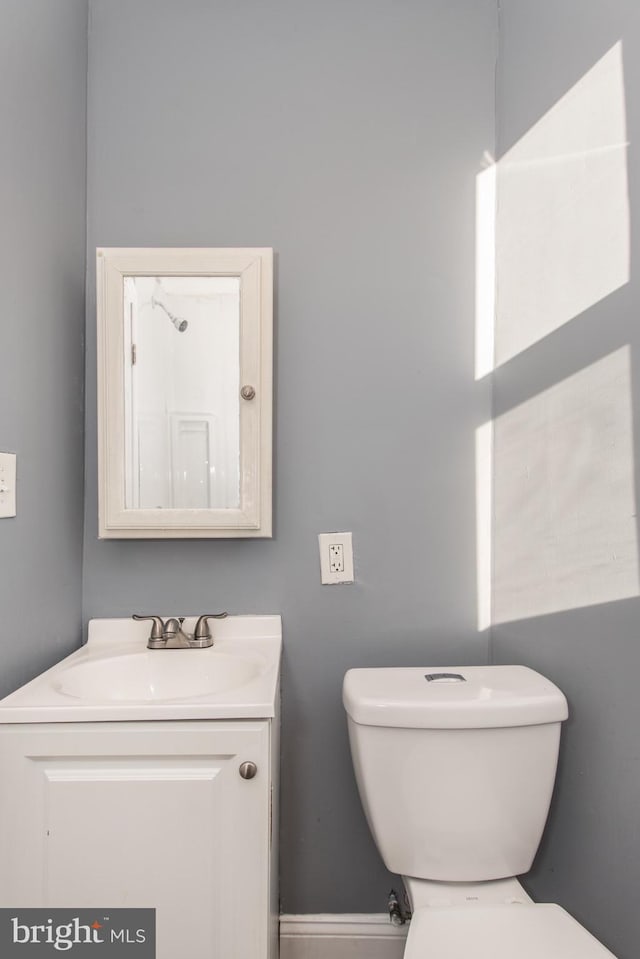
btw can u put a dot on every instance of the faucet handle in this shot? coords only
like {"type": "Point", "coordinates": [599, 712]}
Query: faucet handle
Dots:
{"type": "Point", "coordinates": [202, 633]}
{"type": "Point", "coordinates": [156, 637]}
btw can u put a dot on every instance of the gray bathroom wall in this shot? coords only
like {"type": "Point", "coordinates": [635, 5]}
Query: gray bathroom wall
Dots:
{"type": "Point", "coordinates": [569, 73]}
{"type": "Point", "coordinates": [43, 66]}
{"type": "Point", "coordinates": [348, 137]}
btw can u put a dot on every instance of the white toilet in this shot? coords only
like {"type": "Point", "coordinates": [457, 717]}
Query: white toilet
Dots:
{"type": "Point", "coordinates": [455, 768]}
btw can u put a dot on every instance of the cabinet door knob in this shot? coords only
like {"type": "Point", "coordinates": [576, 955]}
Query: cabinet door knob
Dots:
{"type": "Point", "coordinates": [247, 392]}
{"type": "Point", "coordinates": [248, 770]}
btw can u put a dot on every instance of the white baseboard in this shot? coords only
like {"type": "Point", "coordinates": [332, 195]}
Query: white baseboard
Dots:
{"type": "Point", "coordinates": [341, 936]}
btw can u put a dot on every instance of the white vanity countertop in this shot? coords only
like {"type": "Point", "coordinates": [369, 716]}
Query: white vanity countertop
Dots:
{"type": "Point", "coordinates": [115, 678]}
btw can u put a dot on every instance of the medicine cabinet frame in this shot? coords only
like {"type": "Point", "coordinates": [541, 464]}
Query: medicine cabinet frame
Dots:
{"type": "Point", "coordinates": [254, 269]}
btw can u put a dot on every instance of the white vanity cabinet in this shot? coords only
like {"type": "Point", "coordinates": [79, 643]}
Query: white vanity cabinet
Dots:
{"type": "Point", "coordinates": [146, 814]}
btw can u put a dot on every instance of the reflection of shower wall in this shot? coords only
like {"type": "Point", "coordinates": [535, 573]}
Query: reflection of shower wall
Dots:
{"type": "Point", "coordinates": [152, 489]}
{"type": "Point", "coordinates": [186, 395]}
{"type": "Point", "coordinates": [194, 445]}
{"type": "Point", "coordinates": [203, 404]}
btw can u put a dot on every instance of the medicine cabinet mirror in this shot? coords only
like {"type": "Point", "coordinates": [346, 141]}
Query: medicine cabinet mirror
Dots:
{"type": "Point", "coordinates": [184, 392]}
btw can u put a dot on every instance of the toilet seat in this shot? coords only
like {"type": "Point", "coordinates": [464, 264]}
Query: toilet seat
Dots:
{"type": "Point", "coordinates": [500, 932]}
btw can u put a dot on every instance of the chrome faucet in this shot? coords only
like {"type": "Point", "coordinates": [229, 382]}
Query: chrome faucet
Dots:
{"type": "Point", "coordinates": [170, 634]}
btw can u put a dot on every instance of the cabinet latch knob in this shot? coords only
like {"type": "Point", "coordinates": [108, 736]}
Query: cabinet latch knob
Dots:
{"type": "Point", "coordinates": [248, 770]}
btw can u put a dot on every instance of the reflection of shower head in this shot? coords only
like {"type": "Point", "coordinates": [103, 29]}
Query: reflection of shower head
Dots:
{"type": "Point", "coordinates": [179, 324]}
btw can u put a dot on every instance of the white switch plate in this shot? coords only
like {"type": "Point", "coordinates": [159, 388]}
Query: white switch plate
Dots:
{"type": "Point", "coordinates": [7, 485]}
{"type": "Point", "coordinates": [336, 558]}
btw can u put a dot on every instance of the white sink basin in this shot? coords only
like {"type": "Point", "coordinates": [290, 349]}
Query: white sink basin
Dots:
{"type": "Point", "coordinates": [161, 675]}
{"type": "Point", "coordinates": [114, 677]}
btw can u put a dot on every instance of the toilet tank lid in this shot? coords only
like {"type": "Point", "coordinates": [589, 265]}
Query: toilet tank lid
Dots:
{"type": "Point", "coordinates": [452, 697]}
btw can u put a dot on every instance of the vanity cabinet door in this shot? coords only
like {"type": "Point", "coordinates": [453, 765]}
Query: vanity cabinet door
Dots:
{"type": "Point", "coordinates": [143, 814]}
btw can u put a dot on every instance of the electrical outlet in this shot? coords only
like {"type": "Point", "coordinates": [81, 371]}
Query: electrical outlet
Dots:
{"type": "Point", "coordinates": [336, 558]}
{"type": "Point", "coordinates": [7, 485]}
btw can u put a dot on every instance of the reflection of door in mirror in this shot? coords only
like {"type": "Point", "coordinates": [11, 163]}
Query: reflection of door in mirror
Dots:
{"type": "Point", "coordinates": [182, 381]}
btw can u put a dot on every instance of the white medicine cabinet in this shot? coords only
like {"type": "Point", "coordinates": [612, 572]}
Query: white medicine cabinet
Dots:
{"type": "Point", "coordinates": [185, 360]}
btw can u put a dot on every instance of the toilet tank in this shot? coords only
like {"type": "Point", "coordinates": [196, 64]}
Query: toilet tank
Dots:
{"type": "Point", "coordinates": [455, 766]}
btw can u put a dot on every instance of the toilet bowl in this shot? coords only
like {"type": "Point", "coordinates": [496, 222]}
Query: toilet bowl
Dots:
{"type": "Point", "coordinates": [455, 768]}
{"type": "Point", "coordinates": [542, 931]}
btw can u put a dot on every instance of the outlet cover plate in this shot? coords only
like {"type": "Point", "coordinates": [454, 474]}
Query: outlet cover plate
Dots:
{"type": "Point", "coordinates": [336, 566]}
{"type": "Point", "coordinates": [7, 485]}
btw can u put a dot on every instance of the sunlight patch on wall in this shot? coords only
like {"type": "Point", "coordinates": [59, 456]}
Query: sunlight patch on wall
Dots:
{"type": "Point", "coordinates": [484, 512]}
{"type": "Point", "coordinates": [564, 496]}
{"type": "Point", "coordinates": [485, 269]}
{"type": "Point", "coordinates": [562, 218]}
